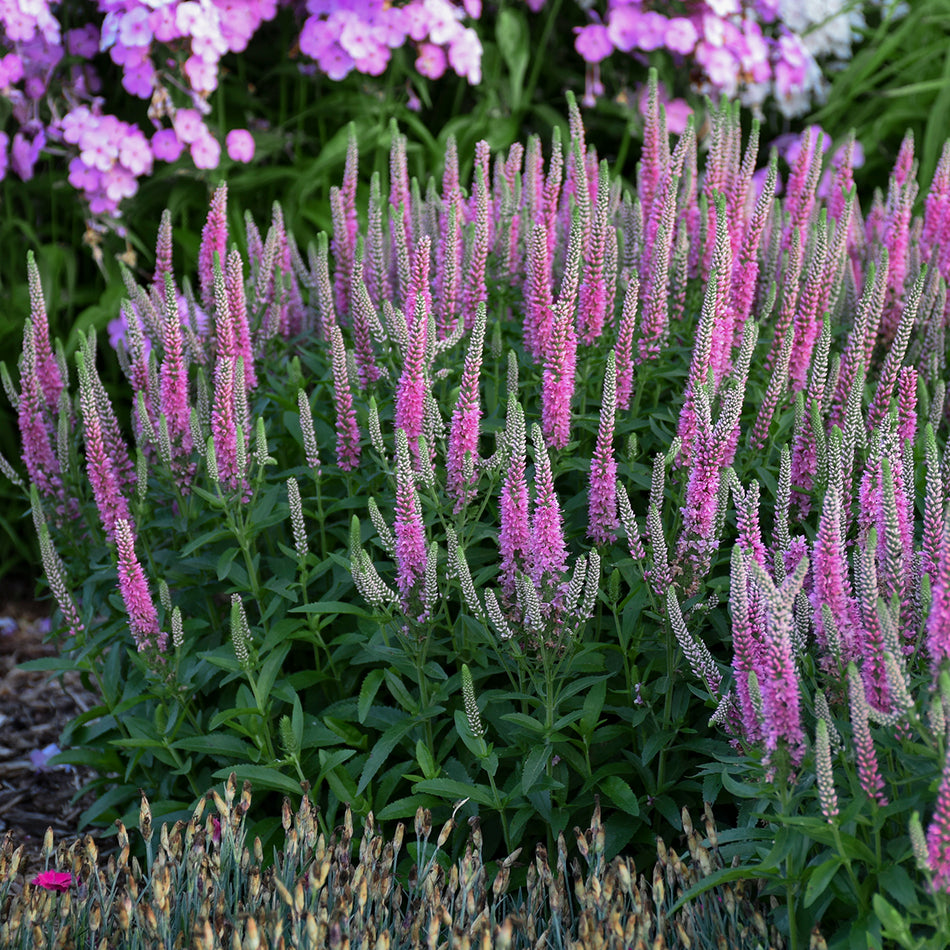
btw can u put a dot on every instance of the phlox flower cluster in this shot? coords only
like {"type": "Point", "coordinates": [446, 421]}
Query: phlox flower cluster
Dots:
{"type": "Point", "coordinates": [749, 51]}
{"type": "Point", "coordinates": [360, 35]}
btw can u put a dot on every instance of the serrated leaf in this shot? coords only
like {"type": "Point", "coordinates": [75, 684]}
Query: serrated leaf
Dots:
{"type": "Point", "coordinates": [534, 766]}
{"type": "Point", "coordinates": [368, 693]}
{"type": "Point", "coordinates": [621, 794]}
{"type": "Point", "coordinates": [260, 776]}
{"type": "Point", "coordinates": [380, 752]}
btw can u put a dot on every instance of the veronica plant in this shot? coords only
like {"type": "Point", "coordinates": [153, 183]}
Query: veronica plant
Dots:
{"type": "Point", "coordinates": [355, 530]}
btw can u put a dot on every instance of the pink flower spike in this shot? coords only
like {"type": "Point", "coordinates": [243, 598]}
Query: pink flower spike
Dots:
{"type": "Point", "coordinates": [143, 618]}
{"type": "Point", "coordinates": [602, 520]}
{"type": "Point", "coordinates": [347, 430]}
{"type": "Point", "coordinates": [549, 551]}
{"type": "Point", "coordinates": [59, 881]}
{"type": "Point", "coordinates": [938, 835]}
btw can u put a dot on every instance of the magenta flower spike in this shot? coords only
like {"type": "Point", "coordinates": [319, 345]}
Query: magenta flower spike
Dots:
{"type": "Point", "coordinates": [345, 225]}
{"type": "Point", "coordinates": [779, 681]}
{"type": "Point", "coordinates": [558, 381]}
{"type": "Point", "coordinates": [464, 432]}
{"type": "Point", "coordinates": [895, 236]}
{"type": "Point", "coordinates": [514, 532]}
{"type": "Point", "coordinates": [413, 383]}
{"type": "Point", "coordinates": [900, 338]}
{"type": "Point", "coordinates": [173, 375]}
{"type": "Point", "coordinates": [747, 641]}
{"type": "Point", "coordinates": [548, 549]}
{"type": "Point", "coordinates": [538, 299]}
{"type": "Point", "coordinates": [938, 835]}
{"type": "Point", "coordinates": [873, 668]}
{"type": "Point", "coordinates": [399, 189]}
{"type": "Point", "coordinates": [655, 260]}
{"type": "Point", "coordinates": [723, 321]}
{"type": "Point", "coordinates": [100, 466]}
{"type": "Point", "coordinates": [832, 583]}
{"type": "Point", "coordinates": [624, 348]}
{"type": "Point", "coordinates": [419, 292]}
{"type": "Point", "coordinates": [938, 620]}
{"type": "Point", "coordinates": [224, 424]}
{"type": "Point", "coordinates": [143, 618]}
{"type": "Point", "coordinates": [869, 772]}
{"type": "Point", "coordinates": [46, 367]}
{"type": "Point", "coordinates": [802, 183]}
{"type": "Point", "coordinates": [933, 507]}
{"type": "Point", "coordinates": [656, 147]}
{"type": "Point", "coordinates": [841, 184]}
{"type": "Point", "coordinates": [791, 275]}
{"type": "Point", "coordinates": [511, 255]}
{"type": "Point", "coordinates": [593, 303]}
{"type": "Point", "coordinates": [347, 430]}
{"type": "Point", "coordinates": [214, 240]}
{"type": "Point", "coordinates": [745, 271]}
{"type": "Point", "coordinates": [410, 549]}
{"type": "Point", "coordinates": [602, 519]}
{"type": "Point", "coordinates": [552, 191]}
{"type": "Point", "coordinates": [237, 306]}
{"type": "Point", "coordinates": [935, 237]}
{"type": "Point", "coordinates": [375, 268]}
{"type": "Point", "coordinates": [163, 253]}
{"type": "Point", "coordinates": [35, 431]}
{"type": "Point", "coordinates": [450, 247]}
{"type": "Point", "coordinates": [363, 315]}
{"type": "Point", "coordinates": [474, 291]}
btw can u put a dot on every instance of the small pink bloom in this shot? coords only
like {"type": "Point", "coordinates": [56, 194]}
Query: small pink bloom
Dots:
{"type": "Point", "coordinates": [240, 145]}
{"type": "Point", "coordinates": [681, 35]}
{"type": "Point", "coordinates": [431, 60]}
{"type": "Point", "coordinates": [593, 42]}
{"type": "Point", "coordinates": [188, 125]}
{"type": "Point", "coordinates": [166, 146]}
{"type": "Point", "coordinates": [206, 151]}
{"type": "Point", "coordinates": [53, 881]}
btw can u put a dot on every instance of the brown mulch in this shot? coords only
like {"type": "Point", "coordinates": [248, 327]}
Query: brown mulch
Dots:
{"type": "Point", "coordinates": [33, 712]}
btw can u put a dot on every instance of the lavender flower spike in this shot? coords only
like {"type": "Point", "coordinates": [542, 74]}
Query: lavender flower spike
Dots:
{"type": "Point", "coordinates": [214, 240]}
{"type": "Point", "coordinates": [143, 618]}
{"type": "Point", "coordinates": [549, 552]}
{"type": "Point", "coordinates": [463, 437]}
{"type": "Point", "coordinates": [409, 530]}
{"type": "Point", "coordinates": [514, 534]}
{"type": "Point", "coordinates": [602, 519]}
{"type": "Point", "coordinates": [347, 430]}
{"type": "Point", "coordinates": [938, 621]}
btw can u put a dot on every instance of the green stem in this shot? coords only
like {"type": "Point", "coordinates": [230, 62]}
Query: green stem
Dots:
{"type": "Point", "coordinates": [539, 58]}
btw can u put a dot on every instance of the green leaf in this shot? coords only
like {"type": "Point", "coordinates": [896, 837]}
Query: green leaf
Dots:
{"type": "Point", "coordinates": [621, 794]}
{"type": "Point", "coordinates": [534, 766]}
{"type": "Point", "coordinates": [368, 692]}
{"type": "Point", "coordinates": [820, 878]}
{"type": "Point", "coordinates": [406, 807]}
{"type": "Point", "coordinates": [384, 745]}
{"type": "Point", "coordinates": [224, 562]}
{"type": "Point", "coordinates": [219, 746]}
{"type": "Point", "coordinates": [449, 788]}
{"type": "Point", "coordinates": [400, 693]}
{"type": "Point", "coordinates": [425, 760]}
{"type": "Point", "coordinates": [270, 669]}
{"type": "Point", "coordinates": [892, 921]}
{"type": "Point", "coordinates": [526, 722]}
{"type": "Point", "coordinates": [331, 607]}
{"type": "Point", "coordinates": [593, 705]}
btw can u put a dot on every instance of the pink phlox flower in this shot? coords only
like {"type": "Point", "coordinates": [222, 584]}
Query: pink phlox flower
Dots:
{"type": "Point", "coordinates": [593, 42]}
{"type": "Point", "coordinates": [681, 35]}
{"type": "Point", "coordinates": [240, 145]}
{"type": "Point", "coordinates": [59, 881]}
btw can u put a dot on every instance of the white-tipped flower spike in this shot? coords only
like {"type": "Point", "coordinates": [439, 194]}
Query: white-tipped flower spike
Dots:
{"type": "Point", "coordinates": [141, 476]}
{"type": "Point", "coordinates": [496, 617]}
{"type": "Point", "coordinates": [827, 795]}
{"type": "Point", "coordinates": [211, 460]}
{"type": "Point", "coordinates": [178, 630]}
{"type": "Point", "coordinates": [296, 519]}
{"type": "Point", "coordinates": [696, 652]}
{"type": "Point", "coordinates": [823, 711]}
{"type": "Point", "coordinates": [373, 589]}
{"type": "Point", "coordinates": [430, 589]}
{"type": "Point", "coordinates": [240, 630]}
{"type": "Point", "coordinates": [576, 586]}
{"type": "Point", "coordinates": [471, 706]}
{"type": "Point", "coordinates": [468, 587]}
{"type": "Point", "coordinates": [164, 595]}
{"type": "Point", "coordinates": [629, 522]}
{"type": "Point", "coordinates": [530, 605]}
{"type": "Point", "coordinates": [918, 843]}
{"type": "Point", "coordinates": [386, 539]}
{"type": "Point", "coordinates": [591, 586]}
{"type": "Point", "coordinates": [310, 449]}
{"type": "Point", "coordinates": [375, 432]}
